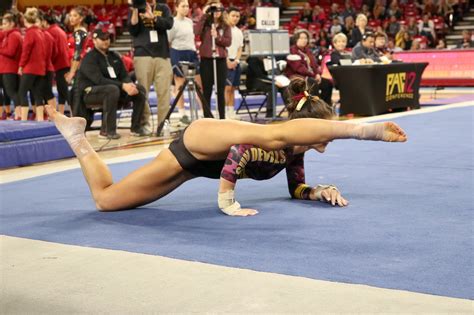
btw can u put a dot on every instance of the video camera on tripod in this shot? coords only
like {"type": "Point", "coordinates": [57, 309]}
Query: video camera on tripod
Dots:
{"type": "Point", "coordinates": [187, 69]}
{"type": "Point", "coordinates": [140, 5]}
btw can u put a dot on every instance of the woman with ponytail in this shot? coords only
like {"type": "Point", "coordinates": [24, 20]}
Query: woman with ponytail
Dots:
{"type": "Point", "coordinates": [33, 65]}
{"type": "Point", "coordinates": [77, 18]}
{"type": "Point", "coordinates": [247, 150]}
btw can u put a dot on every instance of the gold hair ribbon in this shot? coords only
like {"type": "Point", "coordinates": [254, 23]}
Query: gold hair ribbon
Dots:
{"type": "Point", "coordinates": [302, 101]}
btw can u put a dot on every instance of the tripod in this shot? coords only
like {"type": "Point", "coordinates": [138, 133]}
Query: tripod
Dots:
{"type": "Point", "coordinates": [193, 88]}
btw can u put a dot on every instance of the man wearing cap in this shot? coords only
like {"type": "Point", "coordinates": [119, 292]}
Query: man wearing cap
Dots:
{"type": "Point", "coordinates": [102, 79]}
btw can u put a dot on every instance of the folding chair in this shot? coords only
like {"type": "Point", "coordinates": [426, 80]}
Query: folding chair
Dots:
{"type": "Point", "coordinates": [244, 93]}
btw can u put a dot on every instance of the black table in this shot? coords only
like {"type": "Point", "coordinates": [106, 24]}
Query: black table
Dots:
{"type": "Point", "coordinates": [369, 90]}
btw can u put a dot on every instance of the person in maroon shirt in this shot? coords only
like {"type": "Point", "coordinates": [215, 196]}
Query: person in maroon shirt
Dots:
{"type": "Point", "coordinates": [61, 62]}
{"type": "Point", "coordinates": [10, 53]}
{"type": "Point", "coordinates": [213, 27]}
{"type": "Point", "coordinates": [32, 64]}
{"type": "Point", "coordinates": [301, 62]}
{"type": "Point", "coordinates": [51, 54]}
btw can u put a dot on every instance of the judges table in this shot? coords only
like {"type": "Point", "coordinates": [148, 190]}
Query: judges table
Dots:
{"type": "Point", "coordinates": [369, 90]}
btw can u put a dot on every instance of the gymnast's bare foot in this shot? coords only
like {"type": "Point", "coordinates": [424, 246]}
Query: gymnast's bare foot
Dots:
{"type": "Point", "coordinates": [67, 126]}
{"type": "Point", "coordinates": [393, 133]}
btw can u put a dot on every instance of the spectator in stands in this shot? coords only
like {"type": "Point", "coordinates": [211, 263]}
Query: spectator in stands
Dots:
{"type": "Point", "coordinates": [445, 10]}
{"type": "Point", "coordinates": [77, 17]}
{"type": "Point", "coordinates": [441, 44]}
{"type": "Point", "coordinates": [339, 42]}
{"type": "Point", "coordinates": [348, 10]}
{"type": "Point", "coordinates": [196, 12]}
{"type": "Point", "coordinates": [307, 13]}
{"type": "Point", "coordinates": [381, 47]}
{"type": "Point", "coordinates": [32, 66]}
{"type": "Point", "coordinates": [233, 61]}
{"type": "Point", "coordinates": [183, 48]}
{"type": "Point", "coordinates": [336, 26]}
{"type": "Point", "coordinates": [426, 28]}
{"type": "Point", "coordinates": [302, 63]}
{"type": "Point", "coordinates": [416, 44]}
{"type": "Point", "coordinates": [394, 9]}
{"type": "Point", "coordinates": [152, 55]}
{"type": "Point", "coordinates": [366, 12]}
{"type": "Point", "coordinates": [466, 41]}
{"type": "Point", "coordinates": [361, 24]}
{"type": "Point", "coordinates": [393, 26]}
{"type": "Point", "coordinates": [322, 42]}
{"type": "Point", "coordinates": [391, 45]}
{"type": "Point", "coordinates": [412, 27]}
{"type": "Point", "coordinates": [50, 55]}
{"type": "Point", "coordinates": [103, 80]}
{"type": "Point", "coordinates": [61, 62]}
{"type": "Point", "coordinates": [349, 26]}
{"type": "Point", "coordinates": [257, 80]}
{"type": "Point", "coordinates": [319, 15]}
{"type": "Point", "coordinates": [334, 11]}
{"type": "Point", "coordinates": [10, 52]}
{"type": "Point", "coordinates": [429, 8]}
{"type": "Point", "coordinates": [364, 51]}
{"type": "Point", "coordinates": [213, 27]}
{"type": "Point", "coordinates": [378, 12]}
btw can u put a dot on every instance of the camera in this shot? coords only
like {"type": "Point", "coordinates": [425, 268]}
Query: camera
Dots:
{"type": "Point", "coordinates": [213, 9]}
{"type": "Point", "coordinates": [140, 5]}
{"type": "Point", "coordinates": [188, 69]}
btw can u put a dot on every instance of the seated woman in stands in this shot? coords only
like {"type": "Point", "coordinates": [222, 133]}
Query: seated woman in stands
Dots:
{"type": "Point", "coordinates": [302, 63]}
{"type": "Point", "coordinates": [339, 42]}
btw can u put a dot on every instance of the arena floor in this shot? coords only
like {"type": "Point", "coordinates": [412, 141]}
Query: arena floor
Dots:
{"type": "Point", "coordinates": [411, 255]}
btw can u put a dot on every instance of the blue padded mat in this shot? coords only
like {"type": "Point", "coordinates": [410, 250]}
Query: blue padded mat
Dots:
{"type": "Point", "coordinates": [408, 225]}
{"type": "Point", "coordinates": [17, 130]}
{"type": "Point", "coordinates": [35, 150]}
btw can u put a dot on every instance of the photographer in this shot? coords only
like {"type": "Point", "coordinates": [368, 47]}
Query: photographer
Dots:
{"type": "Point", "coordinates": [213, 27]}
{"type": "Point", "coordinates": [148, 23]}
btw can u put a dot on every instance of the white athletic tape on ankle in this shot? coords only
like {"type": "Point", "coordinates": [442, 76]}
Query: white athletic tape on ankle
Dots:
{"type": "Point", "coordinates": [319, 191]}
{"type": "Point", "coordinates": [227, 203]}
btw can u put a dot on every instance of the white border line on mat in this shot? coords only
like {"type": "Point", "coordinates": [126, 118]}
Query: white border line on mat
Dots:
{"type": "Point", "coordinates": [18, 174]}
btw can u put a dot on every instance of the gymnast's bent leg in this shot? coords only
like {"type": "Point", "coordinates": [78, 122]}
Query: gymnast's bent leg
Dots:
{"type": "Point", "coordinates": [146, 184]}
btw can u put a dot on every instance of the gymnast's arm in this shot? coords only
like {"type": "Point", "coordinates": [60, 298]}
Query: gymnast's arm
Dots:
{"type": "Point", "coordinates": [234, 166]}
{"type": "Point", "coordinates": [300, 190]}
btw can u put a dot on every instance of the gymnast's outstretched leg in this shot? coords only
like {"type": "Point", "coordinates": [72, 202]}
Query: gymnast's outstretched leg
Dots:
{"type": "Point", "coordinates": [148, 183]}
{"type": "Point", "coordinates": [305, 131]}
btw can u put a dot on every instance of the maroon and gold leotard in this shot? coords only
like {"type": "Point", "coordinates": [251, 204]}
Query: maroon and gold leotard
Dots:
{"type": "Point", "coordinates": [248, 161]}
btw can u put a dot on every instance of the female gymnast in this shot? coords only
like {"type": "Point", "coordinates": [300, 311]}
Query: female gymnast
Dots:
{"type": "Point", "coordinates": [202, 150]}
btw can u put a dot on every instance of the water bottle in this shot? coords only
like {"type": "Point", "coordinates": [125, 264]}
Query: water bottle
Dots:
{"type": "Point", "coordinates": [166, 129]}
{"type": "Point", "coordinates": [337, 109]}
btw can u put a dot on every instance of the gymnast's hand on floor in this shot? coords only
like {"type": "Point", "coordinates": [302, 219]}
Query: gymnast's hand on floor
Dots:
{"type": "Point", "coordinates": [329, 194]}
{"type": "Point", "coordinates": [244, 212]}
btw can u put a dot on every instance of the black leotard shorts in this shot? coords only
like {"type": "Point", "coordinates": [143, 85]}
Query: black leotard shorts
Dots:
{"type": "Point", "coordinates": [209, 169]}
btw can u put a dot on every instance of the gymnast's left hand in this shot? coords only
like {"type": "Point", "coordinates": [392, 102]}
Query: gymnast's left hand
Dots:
{"type": "Point", "coordinates": [244, 212]}
{"type": "Point", "coordinates": [330, 195]}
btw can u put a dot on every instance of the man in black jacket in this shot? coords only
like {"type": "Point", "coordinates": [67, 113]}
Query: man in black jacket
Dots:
{"type": "Point", "coordinates": [102, 79]}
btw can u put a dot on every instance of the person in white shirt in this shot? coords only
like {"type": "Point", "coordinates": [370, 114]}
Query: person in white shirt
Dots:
{"type": "Point", "coordinates": [182, 48]}
{"type": "Point", "coordinates": [233, 58]}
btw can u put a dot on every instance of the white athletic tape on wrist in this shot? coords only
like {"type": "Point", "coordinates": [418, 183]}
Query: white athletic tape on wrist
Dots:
{"type": "Point", "coordinates": [227, 202]}
{"type": "Point", "coordinates": [319, 191]}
